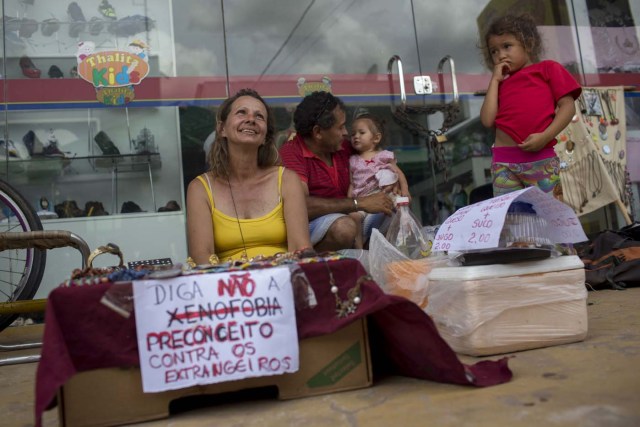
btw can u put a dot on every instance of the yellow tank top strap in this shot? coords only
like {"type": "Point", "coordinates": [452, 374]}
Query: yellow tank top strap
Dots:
{"type": "Point", "coordinates": [280, 174]}
{"type": "Point", "coordinates": [207, 187]}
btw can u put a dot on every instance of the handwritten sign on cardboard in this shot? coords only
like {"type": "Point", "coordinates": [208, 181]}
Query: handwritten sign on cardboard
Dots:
{"type": "Point", "coordinates": [210, 328]}
{"type": "Point", "coordinates": [478, 226]}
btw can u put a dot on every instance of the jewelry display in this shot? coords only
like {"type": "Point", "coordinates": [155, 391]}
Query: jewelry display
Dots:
{"type": "Point", "coordinates": [569, 147]}
{"type": "Point", "coordinates": [349, 306]}
{"type": "Point", "coordinates": [592, 153]}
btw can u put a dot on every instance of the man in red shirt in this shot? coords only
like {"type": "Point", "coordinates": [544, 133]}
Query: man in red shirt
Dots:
{"type": "Point", "coordinates": [319, 153]}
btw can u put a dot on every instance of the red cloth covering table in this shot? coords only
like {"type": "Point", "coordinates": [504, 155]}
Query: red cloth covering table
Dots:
{"type": "Point", "coordinates": [82, 334]}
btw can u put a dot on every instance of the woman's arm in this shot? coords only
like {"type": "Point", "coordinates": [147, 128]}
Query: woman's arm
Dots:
{"type": "Point", "coordinates": [199, 223]}
{"type": "Point", "coordinates": [295, 211]}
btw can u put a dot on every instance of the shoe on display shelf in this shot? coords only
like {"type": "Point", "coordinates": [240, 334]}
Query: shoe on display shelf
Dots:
{"type": "Point", "coordinates": [27, 28]}
{"type": "Point", "coordinates": [171, 206]}
{"type": "Point", "coordinates": [49, 27]}
{"type": "Point", "coordinates": [52, 150]}
{"type": "Point", "coordinates": [51, 146]}
{"type": "Point", "coordinates": [96, 25]}
{"type": "Point", "coordinates": [107, 10]}
{"type": "Point", "coordinates": [69, 209]}
{"type": "Point", "coordinates": [105, 144]}
{"type": "Point", "coordinates": [33, 143]}
{"type": "Point", "coordinates": [94, 208]}
{"type": "Point", "coordinates": [55, 72]}
{"type": "Point", "coordinates": [78, 21]}
{"type": "Point", "coordinates": [13, 150]}
{"type": "Point", "coordinates": [145, 142]}
{"type": "Point", "coordinates": [130, 207]}
{"type": "Point", "coordinates": [28, 68]}
{"type": "Point", "coordinates": [11, 24]}
{"type": "Point", "coordinates": [131, 25]}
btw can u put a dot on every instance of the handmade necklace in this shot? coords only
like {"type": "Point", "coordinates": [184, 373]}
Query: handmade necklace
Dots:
{"type": "Point", "coordinates": [244, 257]}
{"type": "Point", "coordinates": [586, 118]}
{"type": "Point", "coordinates": [611, 104]}
{"type": "Point", "coordinates": [577, 195]}
{"type": "Point", "coordinates": [349, 306]}
{"type": "Point", "coordinates": [609, 100]}
{"type": "Point", "coordinates": [582, 183]}
{"type": "Point", "coordinates": [603, 123]}
{"type": "Point", "coordinates": [595, 175]}
{"type": "Point", "coordinates": [568, 194]}
{"type": "Point", "coordinates": [569, 146]}
{"type": "Point", "coordinates": [582, 104]}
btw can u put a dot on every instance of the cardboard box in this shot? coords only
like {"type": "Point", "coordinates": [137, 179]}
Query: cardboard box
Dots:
{"type": "Point", "coordinates": [493, 309]}
{"type": "Point", "coordinates": [109, 397]}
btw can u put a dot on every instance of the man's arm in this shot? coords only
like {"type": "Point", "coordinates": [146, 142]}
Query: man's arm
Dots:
{"type": "Point", "coordinates": [375, 203]}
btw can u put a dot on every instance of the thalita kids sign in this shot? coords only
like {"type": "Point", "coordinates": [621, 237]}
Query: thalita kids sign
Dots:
{"type": "Point", "coordinates": [113, 73]}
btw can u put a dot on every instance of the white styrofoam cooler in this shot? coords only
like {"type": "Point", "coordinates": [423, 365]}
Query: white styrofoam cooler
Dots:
{"type": "Point", "coordinates": [501, 308]}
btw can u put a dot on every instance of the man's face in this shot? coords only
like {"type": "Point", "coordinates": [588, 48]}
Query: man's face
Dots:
{"type": "Point", "coordinates": [332, 138]}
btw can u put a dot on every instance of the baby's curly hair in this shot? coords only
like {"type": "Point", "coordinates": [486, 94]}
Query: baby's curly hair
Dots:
{"type": "Point", "coordinates": [522, 27]}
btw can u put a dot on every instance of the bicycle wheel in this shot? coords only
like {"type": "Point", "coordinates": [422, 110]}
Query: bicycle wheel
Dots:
{"type": "Point", "coordinates": [21, 270]}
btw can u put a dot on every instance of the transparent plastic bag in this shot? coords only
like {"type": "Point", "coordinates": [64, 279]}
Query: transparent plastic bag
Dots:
{"type": "Point", "coordinates": [406, 234]}
{"type": "Point", "coordinates": [398, 275]}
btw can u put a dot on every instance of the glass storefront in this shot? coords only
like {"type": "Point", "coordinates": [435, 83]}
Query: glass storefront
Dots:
{"type": "Point", "coordinates": [109, 148]}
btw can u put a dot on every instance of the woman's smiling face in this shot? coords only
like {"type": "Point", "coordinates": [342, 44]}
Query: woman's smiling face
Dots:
{"type": "Point", "coordinates": [247, 121]}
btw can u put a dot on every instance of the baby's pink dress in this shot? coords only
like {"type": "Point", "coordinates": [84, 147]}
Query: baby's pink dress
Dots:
{"type": "Point", "coordinates": [367, 176]}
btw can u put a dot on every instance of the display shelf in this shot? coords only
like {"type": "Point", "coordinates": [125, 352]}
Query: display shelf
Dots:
{"type": "Point", "coordinates": [127, 162]}
{"type": "Point", "coordinates": [33, 168]}
{"type": "Point", "coordinates": [46, 167]}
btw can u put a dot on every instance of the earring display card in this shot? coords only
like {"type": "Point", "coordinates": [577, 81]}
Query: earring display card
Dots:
{"type": "Point", "coordinates": [151, 262]}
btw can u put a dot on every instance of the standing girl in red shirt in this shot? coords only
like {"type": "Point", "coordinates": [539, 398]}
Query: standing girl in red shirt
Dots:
{"type": "Point", "coordinates": [528, 102]}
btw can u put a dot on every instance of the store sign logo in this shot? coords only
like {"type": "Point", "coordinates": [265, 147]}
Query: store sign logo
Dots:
{"type": "Point", "coordinates": [113, 73]}
{"type": "Point", "coordinates": [307, 88]}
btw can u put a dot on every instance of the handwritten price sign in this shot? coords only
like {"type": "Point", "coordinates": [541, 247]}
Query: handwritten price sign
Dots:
{"type": "Point", "coordinates": [478, 226]}
{"type": "Point", "coordinates": [210, 328]}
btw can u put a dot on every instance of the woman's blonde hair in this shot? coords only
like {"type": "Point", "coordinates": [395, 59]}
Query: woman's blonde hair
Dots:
{"type": "Point", "coordinates": [218, 158]}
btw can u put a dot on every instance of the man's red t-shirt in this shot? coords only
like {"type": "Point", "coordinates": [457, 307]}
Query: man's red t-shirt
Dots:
{"type": "Point", "coordinates": [321, 179]}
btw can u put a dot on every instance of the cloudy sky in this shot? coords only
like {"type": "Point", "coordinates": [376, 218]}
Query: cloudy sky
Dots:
{"type": "Point", "coordinates": [324, 36]}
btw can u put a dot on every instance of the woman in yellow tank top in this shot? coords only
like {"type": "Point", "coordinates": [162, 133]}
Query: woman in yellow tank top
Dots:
{"type": "Point", "coordinates": [245, 205]}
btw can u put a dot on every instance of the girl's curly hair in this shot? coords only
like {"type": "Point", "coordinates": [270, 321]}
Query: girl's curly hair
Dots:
{"type": "Point", "coordinates": [522, 27]}
{"type": "Point", "coordinates": [218, 158]}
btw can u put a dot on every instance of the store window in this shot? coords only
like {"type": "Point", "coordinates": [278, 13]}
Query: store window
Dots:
{"type": "Point", "coordinates": [90, 140]}
{"type": "Point", "coordinates": [200, 51]}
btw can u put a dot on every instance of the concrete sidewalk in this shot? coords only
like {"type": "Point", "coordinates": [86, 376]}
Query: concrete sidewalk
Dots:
{"type": "Point", "coordinates": [592, 383]}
